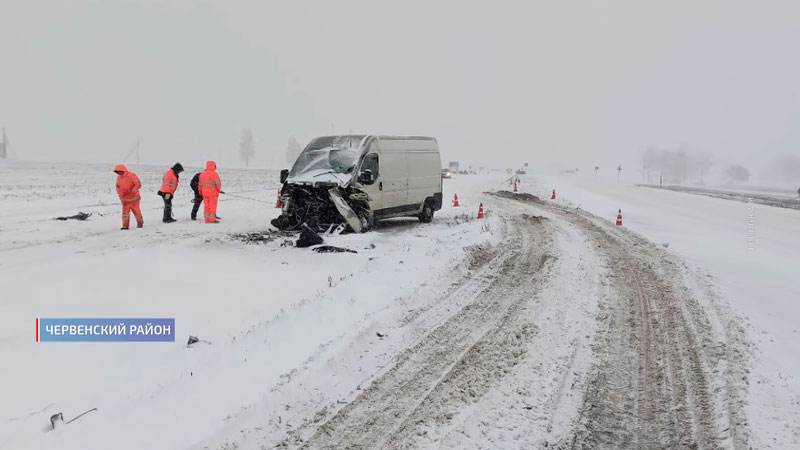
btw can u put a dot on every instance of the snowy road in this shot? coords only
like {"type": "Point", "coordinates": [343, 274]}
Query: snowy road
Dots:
{"type": "Point", "coordinates": [780, 200]}
{"type": "Point", "coordinates": [575, 335]}
{"type": "Point", "coordinates": [458, 358]}
{"type": "Point", "coordinates": [665, 378]}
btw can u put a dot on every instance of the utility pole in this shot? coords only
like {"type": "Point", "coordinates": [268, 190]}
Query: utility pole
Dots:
{"type": "Point", "coordinates": [134, 149]}
{"type": "Point", "coordinates": [3, 146]}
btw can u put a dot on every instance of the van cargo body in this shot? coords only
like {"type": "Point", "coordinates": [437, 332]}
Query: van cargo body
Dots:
{"type": "Point", "coordinates": [359, 179]}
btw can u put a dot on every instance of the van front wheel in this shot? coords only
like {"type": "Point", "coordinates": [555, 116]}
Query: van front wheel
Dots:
{"type": "Point", "coordinates": [427, 213]}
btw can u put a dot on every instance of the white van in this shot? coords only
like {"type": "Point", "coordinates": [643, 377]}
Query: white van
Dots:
{"type": "Point", "coordinates": [360, 179]}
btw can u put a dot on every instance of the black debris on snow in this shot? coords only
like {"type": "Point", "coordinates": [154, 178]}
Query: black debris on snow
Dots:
{"type": "Point", "coordinates": [332, 249]}
{"type": "Point", "coordinates": [80, 216]}
{"type": "Point", "coordinates": [308, 237]}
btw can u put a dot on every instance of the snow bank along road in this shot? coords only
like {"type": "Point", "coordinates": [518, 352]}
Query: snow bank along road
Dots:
{"type": "Point", "coordinates": [568, 334]}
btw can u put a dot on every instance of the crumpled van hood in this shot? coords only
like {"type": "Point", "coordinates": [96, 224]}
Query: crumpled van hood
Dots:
{"type": "Point", "coordinates": [324, 176]}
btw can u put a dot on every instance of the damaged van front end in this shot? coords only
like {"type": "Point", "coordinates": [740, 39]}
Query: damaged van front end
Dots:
{"type": "Point", "coordinates": [322, 191]}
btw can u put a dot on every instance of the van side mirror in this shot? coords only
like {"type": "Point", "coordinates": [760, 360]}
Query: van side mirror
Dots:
{"type": "Point", "coordinates": [284, 175]}
{"type": "Point", "coordinates": [366, 177]}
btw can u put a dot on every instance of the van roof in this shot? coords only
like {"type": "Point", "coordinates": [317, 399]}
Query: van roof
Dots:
{"type": "Point", "coordinates": [359, 137]}
{"type": "Point", "coordinates": [422, 143]}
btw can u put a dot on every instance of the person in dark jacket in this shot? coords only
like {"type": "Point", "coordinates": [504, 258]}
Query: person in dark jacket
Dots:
{"type": "Point", "coordinates": [168, 187]}
{"type": "Point", "coordinates": [197, 197]}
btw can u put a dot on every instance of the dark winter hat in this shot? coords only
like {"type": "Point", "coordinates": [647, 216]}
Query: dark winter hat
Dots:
{"type": "Point", "coordinates": [178, 168]}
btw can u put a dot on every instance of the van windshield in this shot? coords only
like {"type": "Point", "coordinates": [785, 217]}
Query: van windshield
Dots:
{"type": "Point", "coordinates": [340, 155]}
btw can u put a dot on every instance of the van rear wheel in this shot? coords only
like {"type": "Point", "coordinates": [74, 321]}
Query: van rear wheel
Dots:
{"type": "Point", "coordinates": [427, 212]}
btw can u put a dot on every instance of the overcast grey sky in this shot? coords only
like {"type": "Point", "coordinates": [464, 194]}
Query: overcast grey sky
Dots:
{"type": "Point", "coordinates": [569, 83]}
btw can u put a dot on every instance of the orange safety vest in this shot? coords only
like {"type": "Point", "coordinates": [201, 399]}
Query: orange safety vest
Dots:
{"type": "Point", "coordinates": [128, 184]}
{"type": "Point", "coordinates": [209, 184]}
{"type": "Point", "coordinates": [170, 182]}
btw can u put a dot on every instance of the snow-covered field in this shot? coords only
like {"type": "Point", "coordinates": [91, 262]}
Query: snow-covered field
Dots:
{"type": "Point", "coordinates": [298, 347]}
{"type": "Point", "coordinates": [264, 309]}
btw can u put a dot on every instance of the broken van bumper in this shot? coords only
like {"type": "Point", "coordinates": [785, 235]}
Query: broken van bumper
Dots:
{"type": "Point", "coordinates": [323, 206]}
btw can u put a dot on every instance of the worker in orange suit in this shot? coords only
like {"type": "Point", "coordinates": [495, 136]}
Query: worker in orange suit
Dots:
{"type": "Point", "coordinates": [168, 187]}
{"type": "Point", "coordinates": [128, 186]}
{"type": "Point", "coordinates": [210, 186]}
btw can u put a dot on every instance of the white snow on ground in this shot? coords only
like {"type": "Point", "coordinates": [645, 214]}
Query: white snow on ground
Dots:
{"type": "Point", "coordinates": [756, 272]}
{"type": "Point", "coordinates": [264, 309]}
{"type": "Point", "coordinates": [290, 331]}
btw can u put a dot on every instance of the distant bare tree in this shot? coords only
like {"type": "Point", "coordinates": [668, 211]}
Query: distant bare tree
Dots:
{"type": "Point", "coordinates": [293, 150]}
{"type": "Point", "coordinates": [649, 162]}
{"type": "Point", "coordinates": [701, 162]}
{"type": "Point", "coordinates": [246, 147]}
{"type": "Point", "coordinates": [679, 165]}
{"type": "Point", "coordinates": [674, 165]}
{"type": "Point", "coordinates": [738, 173]}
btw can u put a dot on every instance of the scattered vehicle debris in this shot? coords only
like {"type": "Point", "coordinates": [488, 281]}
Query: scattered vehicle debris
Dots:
{"type": "Point", "coordinates": [346, 183]}
{"type": "Point", "coordinates": [256, 237]}
{"type": "Point", "coordinates": [195, 340]}
{"type": "Point", "coordinates": [56, 418]}
{"type": "Point", "coordinates": [308, 237]}
{"type": "Point", "coordinates": [335, 230]}
{"type": "Point", "coordinates": [80, 216]}
{"type": "Point", "coordinates": [332, 249]}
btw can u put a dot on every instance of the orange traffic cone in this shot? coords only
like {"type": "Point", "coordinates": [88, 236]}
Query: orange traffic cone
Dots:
{"type": "Point", "coordinates": [480, 211]}
{"type": "Point", "coordinates": [278, 203]}
{"type": "Point", "coordinates": [619, 218]}
{"type": "Point", "coordinates": [553, 196]}
{"type": "Point", "coordinates": [516, 186]}
{"type": "Point", "coordinates": [456, 204]}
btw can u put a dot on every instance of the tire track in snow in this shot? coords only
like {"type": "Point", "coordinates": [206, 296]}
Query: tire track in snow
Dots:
{"type": "Point", "coordinates": [651, 387]}
{"type": "Point", "coordinates": [534, 402]}
{"type": "Point", "coordinates": [379, 416]}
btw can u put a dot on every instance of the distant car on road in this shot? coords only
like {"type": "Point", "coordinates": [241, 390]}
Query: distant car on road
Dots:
{"type": "Point", "coordinates": [446, 174]}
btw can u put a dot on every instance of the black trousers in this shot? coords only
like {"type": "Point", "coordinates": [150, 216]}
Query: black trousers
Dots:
{"type": "Point", "coordinates": [196, 207]}
{"type": "Point", "coordinates": [167, 207]}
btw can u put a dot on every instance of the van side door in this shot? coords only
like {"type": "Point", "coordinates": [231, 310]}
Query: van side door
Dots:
{"type": "Point", "coordinates": [424, 177]}
{"type": "Point", "coordinates": [394, 168]}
